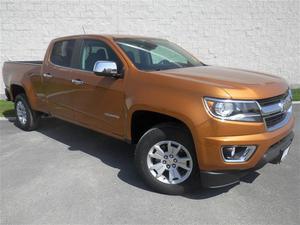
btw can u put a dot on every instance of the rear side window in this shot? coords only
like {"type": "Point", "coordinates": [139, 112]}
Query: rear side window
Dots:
{"type": "Point", "coordinates": [62, 53]}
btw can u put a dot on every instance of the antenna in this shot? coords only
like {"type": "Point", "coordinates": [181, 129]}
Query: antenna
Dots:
{"type": "Point", "coordinates": [83, 43]}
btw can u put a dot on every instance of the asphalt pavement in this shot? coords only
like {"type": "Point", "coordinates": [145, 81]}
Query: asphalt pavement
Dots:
{"type": "Point", "coordinates": [65, 174]}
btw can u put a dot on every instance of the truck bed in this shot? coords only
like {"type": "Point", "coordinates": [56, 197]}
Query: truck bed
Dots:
{"type": "Point", "coordinates": [14, 72]}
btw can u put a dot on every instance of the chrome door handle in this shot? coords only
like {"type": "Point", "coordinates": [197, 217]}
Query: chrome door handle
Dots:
{"type": "Point", "coordinates": [47, 75]}
{"type": "Point", "coordinates": [77, 82]}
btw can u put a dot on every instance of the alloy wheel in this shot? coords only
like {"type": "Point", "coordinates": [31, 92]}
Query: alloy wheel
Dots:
{"type": "Point", "coordinates": [169, 162]}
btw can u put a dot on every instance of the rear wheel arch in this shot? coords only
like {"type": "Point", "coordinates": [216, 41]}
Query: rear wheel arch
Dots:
{"type": "Point", "coordinates": [15, 90]}
{"type": "Point", "coordinates": [27, 90]}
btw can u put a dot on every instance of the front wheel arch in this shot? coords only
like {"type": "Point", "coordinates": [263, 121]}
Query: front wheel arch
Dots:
{"type": "Point", "coordinates": [143, 120]}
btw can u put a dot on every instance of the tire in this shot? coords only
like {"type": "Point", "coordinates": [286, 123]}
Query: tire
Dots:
{"type": "Point", "coordinates": [152, 164]}
{"type": "Point", "coordinates": [27, 119]}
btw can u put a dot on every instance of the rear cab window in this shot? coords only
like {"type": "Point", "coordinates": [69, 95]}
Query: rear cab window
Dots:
{"type": "Point", "coordinates": [62, 53]}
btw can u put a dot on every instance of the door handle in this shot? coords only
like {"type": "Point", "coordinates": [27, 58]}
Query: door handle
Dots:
{"type": "Point", "coordinates": [47, 75]}
{"type": "Point", "coordinates": [77, 82]}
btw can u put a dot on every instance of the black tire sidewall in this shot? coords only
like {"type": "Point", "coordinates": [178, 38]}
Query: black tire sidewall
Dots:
{"type": "Point", "coordinates": [32, 119]}
{"type": "Point", "coordinates": [163, 133]}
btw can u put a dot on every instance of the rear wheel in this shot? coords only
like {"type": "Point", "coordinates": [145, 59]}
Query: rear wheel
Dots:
{"type": "Point", "coordinates": [27, 119]}
{"type": "Point", "coordinates": [165, 157]}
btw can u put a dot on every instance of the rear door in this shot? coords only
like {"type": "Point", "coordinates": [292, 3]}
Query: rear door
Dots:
{"type": "Point", "coordinates": [98, 102]}
{"type": "Point", "coordinates": [57, 78]}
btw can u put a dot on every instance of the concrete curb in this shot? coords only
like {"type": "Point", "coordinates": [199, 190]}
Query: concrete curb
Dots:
{"type": "Point", "coordinates": [13, 118]}
{"type": "Point", "coordinates": [8, 118]}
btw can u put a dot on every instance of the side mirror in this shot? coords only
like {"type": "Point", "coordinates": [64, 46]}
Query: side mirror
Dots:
{"type": "Point", "coordinates": [106, 68]}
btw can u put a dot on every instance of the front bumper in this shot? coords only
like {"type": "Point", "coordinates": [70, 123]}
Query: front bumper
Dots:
{"type": "Point", "coordinates": [215, 179]}
{"type": "Point", "coordinates": [211, 136]}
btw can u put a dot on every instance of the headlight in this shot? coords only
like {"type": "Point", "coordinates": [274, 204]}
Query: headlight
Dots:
{"type": "Point", "coordinates": [233, 109]}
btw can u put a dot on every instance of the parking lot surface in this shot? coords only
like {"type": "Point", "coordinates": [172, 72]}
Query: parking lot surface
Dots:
{"type": "Point", "coordinates": [65, 174]}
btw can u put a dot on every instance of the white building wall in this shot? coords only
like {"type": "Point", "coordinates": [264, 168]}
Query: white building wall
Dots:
{"type": "Point", "coordinates": [261, 35]}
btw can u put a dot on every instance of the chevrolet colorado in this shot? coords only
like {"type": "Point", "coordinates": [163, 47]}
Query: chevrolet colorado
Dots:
{"type": "Point", "coordinates": [190, 121]}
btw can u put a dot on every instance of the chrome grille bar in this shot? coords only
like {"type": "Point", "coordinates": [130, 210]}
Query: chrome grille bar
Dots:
{"type": "Point", "coordinates": [276, 111]}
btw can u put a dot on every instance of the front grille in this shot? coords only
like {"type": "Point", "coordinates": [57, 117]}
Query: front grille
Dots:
{"type": "Point", "coordinates": [276, 110]}
{"type": "Point", "coordinates": [275, 119]}
{"type": "Point", "coordinates": [272, 100]}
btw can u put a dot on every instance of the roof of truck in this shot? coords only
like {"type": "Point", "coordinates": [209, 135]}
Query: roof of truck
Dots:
{"type": "Point", "coordinates": [107, 36]}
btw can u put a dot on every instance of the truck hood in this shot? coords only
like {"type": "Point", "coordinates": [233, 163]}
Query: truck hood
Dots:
{"type": "Point", "coordinates": [239, 84]}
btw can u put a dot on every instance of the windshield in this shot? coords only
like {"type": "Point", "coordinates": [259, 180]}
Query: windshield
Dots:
{"type": "Point", "coordinates": [156, 54]}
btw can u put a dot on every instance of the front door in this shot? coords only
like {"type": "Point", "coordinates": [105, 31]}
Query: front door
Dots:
{"type": "Point", "coordinates": [98, 102]}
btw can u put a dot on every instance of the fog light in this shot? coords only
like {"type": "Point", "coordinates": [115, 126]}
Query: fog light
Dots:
{"type": "Point", "coordinates": [237, 153]}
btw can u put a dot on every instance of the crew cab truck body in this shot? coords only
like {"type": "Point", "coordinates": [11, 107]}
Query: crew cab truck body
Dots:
{"type": "Point", "coordinates": [190, 122]}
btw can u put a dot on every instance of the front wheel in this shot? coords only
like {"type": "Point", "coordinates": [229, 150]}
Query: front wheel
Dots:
{"type": "Point", "coordinates": [27, 119]}
{"type": "Point", "coordinates": [165, 158]}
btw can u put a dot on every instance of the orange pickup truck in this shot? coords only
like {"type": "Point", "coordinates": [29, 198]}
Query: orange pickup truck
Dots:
{"type": "Point", "coordinates": [191, 122]}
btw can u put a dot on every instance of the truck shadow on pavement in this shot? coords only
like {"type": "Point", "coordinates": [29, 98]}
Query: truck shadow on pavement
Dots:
{"type": "Point", "coordinates": [112, 152]}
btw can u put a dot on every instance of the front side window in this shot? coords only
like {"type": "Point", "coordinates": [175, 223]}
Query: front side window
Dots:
{"type": "Point", "coordinates": [62, 53]}
{"type": "Point", "coordinates": [156, 54]}
{"type": "Point", "coordinates": [95, 50]}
